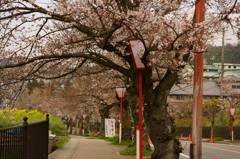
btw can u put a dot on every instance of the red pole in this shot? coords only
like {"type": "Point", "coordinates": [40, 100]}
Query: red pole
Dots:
{"type": "Point", "coordinates": [196, 145]}
{"type": "Point", "coordinates": [120, 123]}
{"type": "Point", "coordinates": [121, 110]}
{"type": "Point", "coordinates": [140, 110]}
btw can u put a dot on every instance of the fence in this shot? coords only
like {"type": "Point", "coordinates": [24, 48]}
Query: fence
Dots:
{"type": "Point", "coordinates": [26, 141]}
{"type": "Point", "coordinates": [218, 131]}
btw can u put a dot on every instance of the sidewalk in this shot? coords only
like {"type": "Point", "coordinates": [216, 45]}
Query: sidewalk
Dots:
{"type": "Point", "coordinates": [80, 147]}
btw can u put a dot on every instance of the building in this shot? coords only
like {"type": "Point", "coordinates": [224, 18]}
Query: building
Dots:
{"type": "Point", "coordinates": [183, 92]}
{"type": "Point", "coordinates": [213, 72]}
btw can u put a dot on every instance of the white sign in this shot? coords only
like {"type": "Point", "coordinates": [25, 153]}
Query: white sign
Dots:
{"type": "Point", "coordinates": [109, 127]}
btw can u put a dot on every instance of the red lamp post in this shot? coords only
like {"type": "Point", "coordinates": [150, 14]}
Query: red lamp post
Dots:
{"type": "Point", "coordinates": [136, 48]}
{"type": "Point", "coordinates": [120, 91]}
{"type": "Point", "coordinates": [84, 121]}
{"type": "Point", "coordinates": [232, 111]}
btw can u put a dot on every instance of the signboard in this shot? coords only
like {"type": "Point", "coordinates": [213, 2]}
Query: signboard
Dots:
{"type": "Point", "coordinates": [109, 127]}
{"type": "Point", "coordinates": [137, 49]}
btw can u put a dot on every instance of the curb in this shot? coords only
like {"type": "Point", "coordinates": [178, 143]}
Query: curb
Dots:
{"type": "Point", "coordinates": [71, 153]}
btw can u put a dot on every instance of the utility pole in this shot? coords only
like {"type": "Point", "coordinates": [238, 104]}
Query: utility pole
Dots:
{"type": "Point", "coordinates": [221, 79]}
{"type": "Point", "coordinates": [196, 145]}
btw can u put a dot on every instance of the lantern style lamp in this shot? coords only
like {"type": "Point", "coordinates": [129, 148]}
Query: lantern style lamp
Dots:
{"type": "Point", "coordinates": [120, 91]}
{"type": "Point", "coordinates": [137, 50]}
{"type": "Point", "coordinates": [232, 112]}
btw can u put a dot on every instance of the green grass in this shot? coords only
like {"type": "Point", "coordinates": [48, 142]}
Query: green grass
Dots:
{"type": "Point", "coordinates": [113, 139]}
{"type": "Point", "coordinates": [123, 142]}
{"type": "Point", "coordinates": [61, 141]}
{"type": "Point", "coordinates": [56, 126]}
{"type": "Point", "coordinates": [236, 140]}
{"type": "Point", "coordinates": [131, 151]}
{"type": "Point", "coordinates": [101, 137]}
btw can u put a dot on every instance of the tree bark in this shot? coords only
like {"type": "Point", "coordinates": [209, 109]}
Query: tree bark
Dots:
{"type": "Point", "coordinates": [126, 125]}
{"type": "Point", "coordinates": [104, 113]}
{"type": "Point", "coordinates": [160, 125]}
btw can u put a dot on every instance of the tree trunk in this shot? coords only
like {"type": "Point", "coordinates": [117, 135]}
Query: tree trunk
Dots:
{"type": "Point", "coordinates": [133, 105]}
{"type": "Point", "coordinates": [71, 126]}
{"type": "Point", "coordinates": [126, 124]}
{"type": "Point", "coordinates": [104, 113]}
{"type": "Point", "coordinates": [160, 125]}
{"type": "Point", "coordinates": [212, 124]}
{"type": "Point", "coordinates": [161, 129]}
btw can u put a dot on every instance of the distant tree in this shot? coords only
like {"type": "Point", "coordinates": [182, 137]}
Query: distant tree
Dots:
{"type": "Point", "coordinates": [211, 109]}
{"type": "Point", "coordinates": [231, 52]}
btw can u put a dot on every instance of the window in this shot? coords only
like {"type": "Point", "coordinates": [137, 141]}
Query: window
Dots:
{"type": "Point", "coordinates": [235, 86]}
{"type": "Point", "coordinates": [229, 66]}
{"type": "Point", "coordinates": [179, 97]}
{"type": "Point", "coordinates": [234, 67]}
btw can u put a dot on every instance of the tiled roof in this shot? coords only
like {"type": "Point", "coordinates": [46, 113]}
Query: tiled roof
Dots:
{"type": "Point", "coordinates": [210, 88]}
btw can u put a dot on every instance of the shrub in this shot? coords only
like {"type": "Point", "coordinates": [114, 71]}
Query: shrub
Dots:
{"type": "Point", "coordinates": [56, 126]}
{"type": "Point", "coordinates": [218, 139]}
{"type": "Point", "coordinates": [14, 117]}
{"type": "Point", "coordinates": [86, 135]}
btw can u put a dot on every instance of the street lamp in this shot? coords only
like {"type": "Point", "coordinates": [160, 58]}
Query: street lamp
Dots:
{"type": "Point", "coordinates": [136, 48]}
{"type": "Point", "coordinates": [120, 91]}
{"type": "Point", "coordinates": [232, 111]}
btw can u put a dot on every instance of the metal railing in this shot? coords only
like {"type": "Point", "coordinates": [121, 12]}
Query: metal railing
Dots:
{"type": "Point", "coordinates": [26, 141]}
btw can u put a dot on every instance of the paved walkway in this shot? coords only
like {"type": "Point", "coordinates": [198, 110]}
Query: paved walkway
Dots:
{"type": "Point", "coordinates": [80, 147]}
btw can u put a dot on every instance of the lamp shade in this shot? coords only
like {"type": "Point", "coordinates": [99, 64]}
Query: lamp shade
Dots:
{"type": "Point", "coordinates": [120, 91]}
{"type": "Point", "coordinates": [137, 49]}
{"type": "Point", "coordinates": [232, 110]}
{"type": "Point", "coordinates": [84, 116]}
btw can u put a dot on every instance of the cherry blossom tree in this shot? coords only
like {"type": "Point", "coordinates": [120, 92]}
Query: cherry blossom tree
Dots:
{"type": "Point", "coordinates": [51, 39]}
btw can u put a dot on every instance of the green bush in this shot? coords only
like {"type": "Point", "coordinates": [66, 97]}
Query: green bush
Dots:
{"type": "Point", "coordinates": [86, 135]}
{"type": "Point", "coordinates": [14, 117]}
{"type": "Point", "coordinates": [56, 126]}
{"type": "Point", "coordinates": [218, 139]}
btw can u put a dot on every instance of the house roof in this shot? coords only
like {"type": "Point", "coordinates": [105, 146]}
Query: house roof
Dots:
{"type": "Point", "coordinates": [210, 88]}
